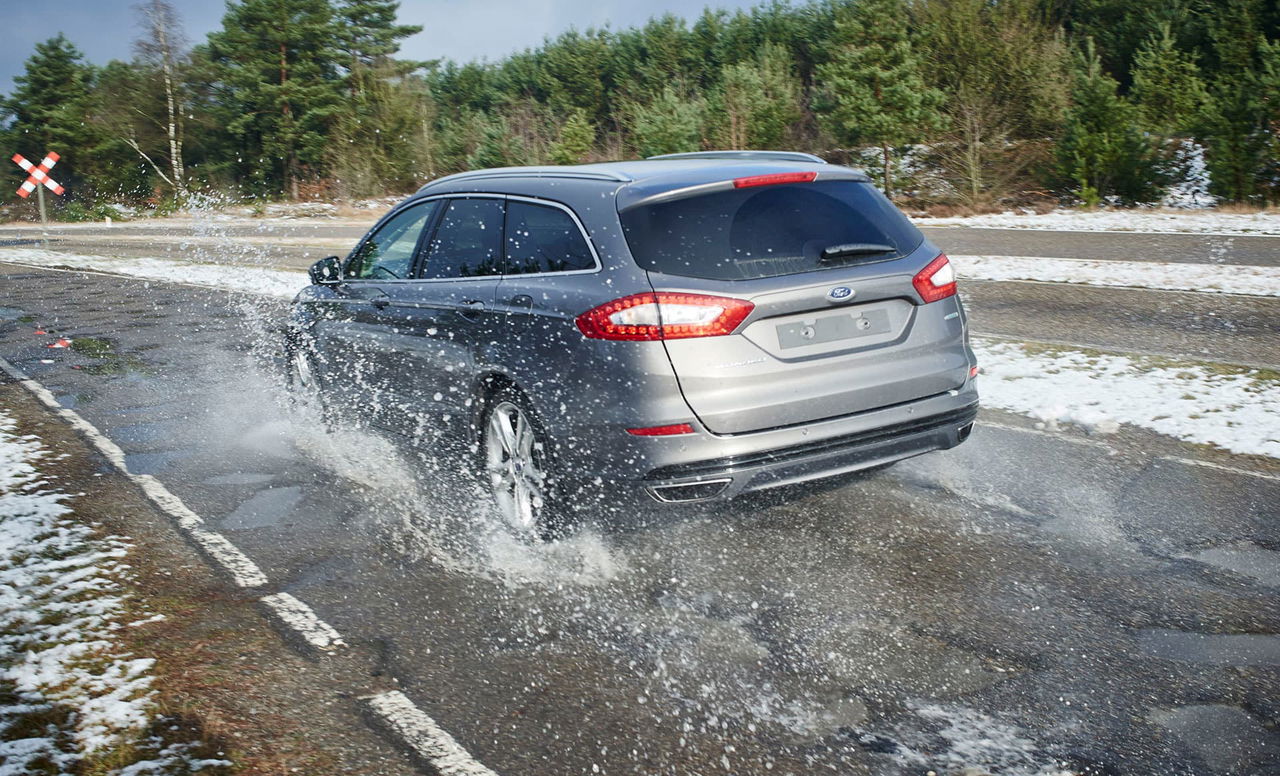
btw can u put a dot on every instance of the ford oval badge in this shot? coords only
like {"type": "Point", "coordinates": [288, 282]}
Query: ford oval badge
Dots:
{"type": "Point", "coordinates": [840, 294]}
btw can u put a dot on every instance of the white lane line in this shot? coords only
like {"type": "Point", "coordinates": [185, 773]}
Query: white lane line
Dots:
{"type": "Point", "coordinates": [300, 618]}
{"type": "Point", "coordinates": [1038, 432]}
{"type": "Point", "coordinates": [394, 712]}
{"type": "Point", "coordinates": [420, 733]}
{"type": "Point", "coordinates": [243, 571]}
{"type": "Point", "coordinates": [1220, 467]}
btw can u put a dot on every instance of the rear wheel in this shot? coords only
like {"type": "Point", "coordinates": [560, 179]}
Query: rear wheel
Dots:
{"type": "Point", "coordinates": [517, 467]}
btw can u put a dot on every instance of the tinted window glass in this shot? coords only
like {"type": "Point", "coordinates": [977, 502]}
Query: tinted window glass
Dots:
{"type": "Point", "coordinates": [388, 253]}
{"type": "Point", "coordinates": [468, 242]}
{"type": "Point", "coordinates": [766, 231]}
{"type": "Point", "coordinates": [544, 239]}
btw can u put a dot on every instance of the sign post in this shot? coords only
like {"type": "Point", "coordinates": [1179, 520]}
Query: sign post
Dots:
{"type": "Point", "coordinates": [38, 176]}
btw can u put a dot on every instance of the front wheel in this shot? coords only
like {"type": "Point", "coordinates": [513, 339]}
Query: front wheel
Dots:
{"type": "Point", "coordinates": [517, 467]}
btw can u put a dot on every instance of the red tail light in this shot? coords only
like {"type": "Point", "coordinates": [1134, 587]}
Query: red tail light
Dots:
{"type": "Point", "coordinates": [664, 315]}
{"type": "Point", "coordinates": [774, 178]}
{"type": "Point", "coordinates": [675, 430]}
{"type": "Point", "coordinates": [936, 281]}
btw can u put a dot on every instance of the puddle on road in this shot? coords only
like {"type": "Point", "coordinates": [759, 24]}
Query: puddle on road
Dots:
{"type": "Point", "coordinates": [264, 509]}
{"type": "Point", "coordinates": [1225, 649]}
{"type": "Point", "coordinates": [1248, 560]}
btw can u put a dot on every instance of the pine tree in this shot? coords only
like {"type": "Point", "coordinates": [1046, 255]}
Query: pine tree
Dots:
{"type": "Point", "coordinates": [47, 109]}
{"type": "Point", "coordinates": [873, 84]}
{"type": "Point", "coordinates": [670, 124]}
{"type": "Point", "coordinates": [1166, 85]}
{"type": "Point", "coordinates": [756, 103]}
{"type": "Point", "coordinates": [278, 65]}
{"type": "Point", "coordinates": [1102, 150]}
{"type": "Point", "coordinates": [576, 139]}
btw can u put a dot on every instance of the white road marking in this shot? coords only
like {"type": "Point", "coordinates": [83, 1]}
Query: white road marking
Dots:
{"type": "Point", "coordinates": [243, 571]}
{"type": "Point", "coordinates": [1220, 467]}
{"type": "Point", "coordinates": [398, 715]}
{"type": "Point", "coordinates": [1051, 435]}
{"type": "Point", "coordinates": [420, 733]}
{"type": "Point", "coordinates": [300, 618]}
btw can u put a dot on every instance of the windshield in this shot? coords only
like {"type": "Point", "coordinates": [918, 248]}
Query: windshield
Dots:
{"type": "Point", "coordinates": [768, 231]}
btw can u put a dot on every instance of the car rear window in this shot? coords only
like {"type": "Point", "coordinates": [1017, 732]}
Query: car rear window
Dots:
{"type": "Point", "coordinates": [766, 231]}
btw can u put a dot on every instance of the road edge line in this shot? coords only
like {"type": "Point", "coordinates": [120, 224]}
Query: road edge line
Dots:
{"type": "Point", "coordinates": [217, 548]}
{"type": "Point", "coordinates": [299, 621]}
{"type": "Point", "coordinates": [1220, 467]}
{"type": "Point", "coordinates": [429, 743]}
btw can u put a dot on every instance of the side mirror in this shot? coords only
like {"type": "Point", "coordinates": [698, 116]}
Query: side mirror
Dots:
{"type": "Point", "coordinates": [326, 272]}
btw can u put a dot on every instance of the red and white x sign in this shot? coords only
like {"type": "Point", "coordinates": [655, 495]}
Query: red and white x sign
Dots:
{"type": "Point", "coordinates": [39, 174]}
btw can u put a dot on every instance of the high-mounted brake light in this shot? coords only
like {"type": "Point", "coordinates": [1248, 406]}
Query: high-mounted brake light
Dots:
{"type": "Point", "coordinates": [664, 315]}
{"type": "Point", "coordinates": [774, 178]}
{"type": "Point", "coordinates": [673, 430]}
{"type": "Point", "coordinates": [936, 281]}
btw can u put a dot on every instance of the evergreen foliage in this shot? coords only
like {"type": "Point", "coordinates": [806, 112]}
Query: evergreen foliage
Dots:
{"type": "Point", "coordinates": [1102, 150]}
{"type": "Point", "coordinates": [874, 91]}
{"type": "Point", "coordinates": [312, 98]}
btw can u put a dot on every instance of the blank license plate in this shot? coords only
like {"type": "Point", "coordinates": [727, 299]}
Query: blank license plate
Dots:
{"type": "Point", "coordinates": [833, 328]}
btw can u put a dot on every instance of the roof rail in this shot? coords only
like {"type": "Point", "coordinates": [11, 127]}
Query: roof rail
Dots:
{"type": "Point", "coordinates": [534, 172]}
{"type": "Point", "coordinates": [764, 156]}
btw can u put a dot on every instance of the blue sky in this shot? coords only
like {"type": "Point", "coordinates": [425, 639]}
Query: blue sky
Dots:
{"type": "Point", "coordinates": [455, 29]}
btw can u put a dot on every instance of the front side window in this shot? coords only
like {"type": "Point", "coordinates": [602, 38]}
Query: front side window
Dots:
{"type": "Point", "coordinates": [388, 253]}
{"type": "Point", "coordinates": [544, 239]}
{"type": "Point", "coordinates": [468, 242]}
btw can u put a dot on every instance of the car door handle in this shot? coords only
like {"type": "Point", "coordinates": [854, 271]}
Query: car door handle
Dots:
{"type": "Point", "coordinates": [380, 303]}
{"type": "Point", "coordinates": [471, 308]}
{"type": "Point", "coordinates": [523, 302]}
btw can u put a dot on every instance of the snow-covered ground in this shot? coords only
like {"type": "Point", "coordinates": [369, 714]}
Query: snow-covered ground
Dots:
{"type": "Point", "coordinates": [1155, 221]}
{"type": "Point", "coordinates": [1237, 411]}
{"type": "Point", "coordinates": [1206, 278]}
{"type": "Point", "coordinates": [76, 692]}
{"type": "Point", "coordinates": [1187, 401]}
{"type": "Point", "coordinates": [228, 277]}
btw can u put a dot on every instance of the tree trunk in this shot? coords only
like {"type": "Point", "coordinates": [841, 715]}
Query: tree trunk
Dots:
{"type": "Point", "coordinates": [888, 173]}
{"type": "Point", "coordinates": [290, 163]}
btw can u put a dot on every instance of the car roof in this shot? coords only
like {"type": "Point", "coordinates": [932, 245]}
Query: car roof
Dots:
{"type": "Point", "coordinates": [640, 181]}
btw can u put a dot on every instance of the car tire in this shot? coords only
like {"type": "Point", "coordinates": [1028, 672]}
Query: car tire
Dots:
{"type": "Point", "coordinates": [517, 468]}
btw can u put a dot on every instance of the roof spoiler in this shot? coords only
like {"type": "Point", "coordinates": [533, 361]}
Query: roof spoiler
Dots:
{"type": "Point", "coordinates": [756, 156]}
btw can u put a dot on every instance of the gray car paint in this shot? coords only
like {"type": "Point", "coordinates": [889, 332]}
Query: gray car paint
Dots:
{"type": "Point", "coordinates": [436, 354]}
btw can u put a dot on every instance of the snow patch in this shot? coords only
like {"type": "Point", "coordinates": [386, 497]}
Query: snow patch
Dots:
{"type": "Point", "coordinates": [224, 277]}
{"type": "Point", "coordinates": [1151, 221]}
{"type": "Point", "coordinates": [61, 600]}
{"type": "Point", "coordinates": [1169, 276]}
{"type": "Point", "coordinates": [1236, 411]}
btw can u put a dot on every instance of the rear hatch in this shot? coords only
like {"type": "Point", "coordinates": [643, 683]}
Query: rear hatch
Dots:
{"type": "Point", "coordinates": [837, 326]}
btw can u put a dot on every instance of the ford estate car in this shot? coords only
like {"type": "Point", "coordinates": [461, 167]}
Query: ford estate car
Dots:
{"type": "Point", "coordinates": [681, 329]}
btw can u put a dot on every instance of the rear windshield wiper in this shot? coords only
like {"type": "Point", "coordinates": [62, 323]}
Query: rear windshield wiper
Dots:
{"type": "Point", "coordinates": [844, 250]}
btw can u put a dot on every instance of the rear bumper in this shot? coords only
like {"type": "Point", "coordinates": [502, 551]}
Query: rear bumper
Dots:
{"type": "Point", "coordinates": [812, 460]}
{"type": "Point", "coordinates": [731, 466]}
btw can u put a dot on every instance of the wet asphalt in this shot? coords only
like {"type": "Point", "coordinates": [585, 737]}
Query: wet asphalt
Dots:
{"type": "Point", "coordinates": [1024, 602]}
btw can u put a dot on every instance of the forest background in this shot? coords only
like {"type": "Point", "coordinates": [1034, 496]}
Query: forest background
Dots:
{"type": "Point", "coordinates": [967, 105]}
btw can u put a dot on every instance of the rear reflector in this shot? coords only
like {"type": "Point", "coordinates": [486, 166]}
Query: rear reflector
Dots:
{"type": "Point", "coordinates": [664, 315]}
{"type": "Point", "coordinates": [973, 371]}
{"type": "Point", "coordinates": [774, 178]}
{"type": "Point", "coordinates": [679, 428]}
{"type": "Point", "coordinates": [936, 281]}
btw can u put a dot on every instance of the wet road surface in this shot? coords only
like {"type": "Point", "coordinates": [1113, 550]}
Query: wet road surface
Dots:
{"type": "Point", "coordinates": [1025, 602]}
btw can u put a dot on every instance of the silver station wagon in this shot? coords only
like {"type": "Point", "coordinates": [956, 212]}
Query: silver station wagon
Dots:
{"type": "Point", "coordinates": [681, 329]}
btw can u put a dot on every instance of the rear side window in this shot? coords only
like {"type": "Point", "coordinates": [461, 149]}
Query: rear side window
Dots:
{"type": "Point", "coordinates": [468, 241]}
{"type": "Point", "coordinates": [767, 231]}
{"type": "Point", "coordinates": [544, 239]}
